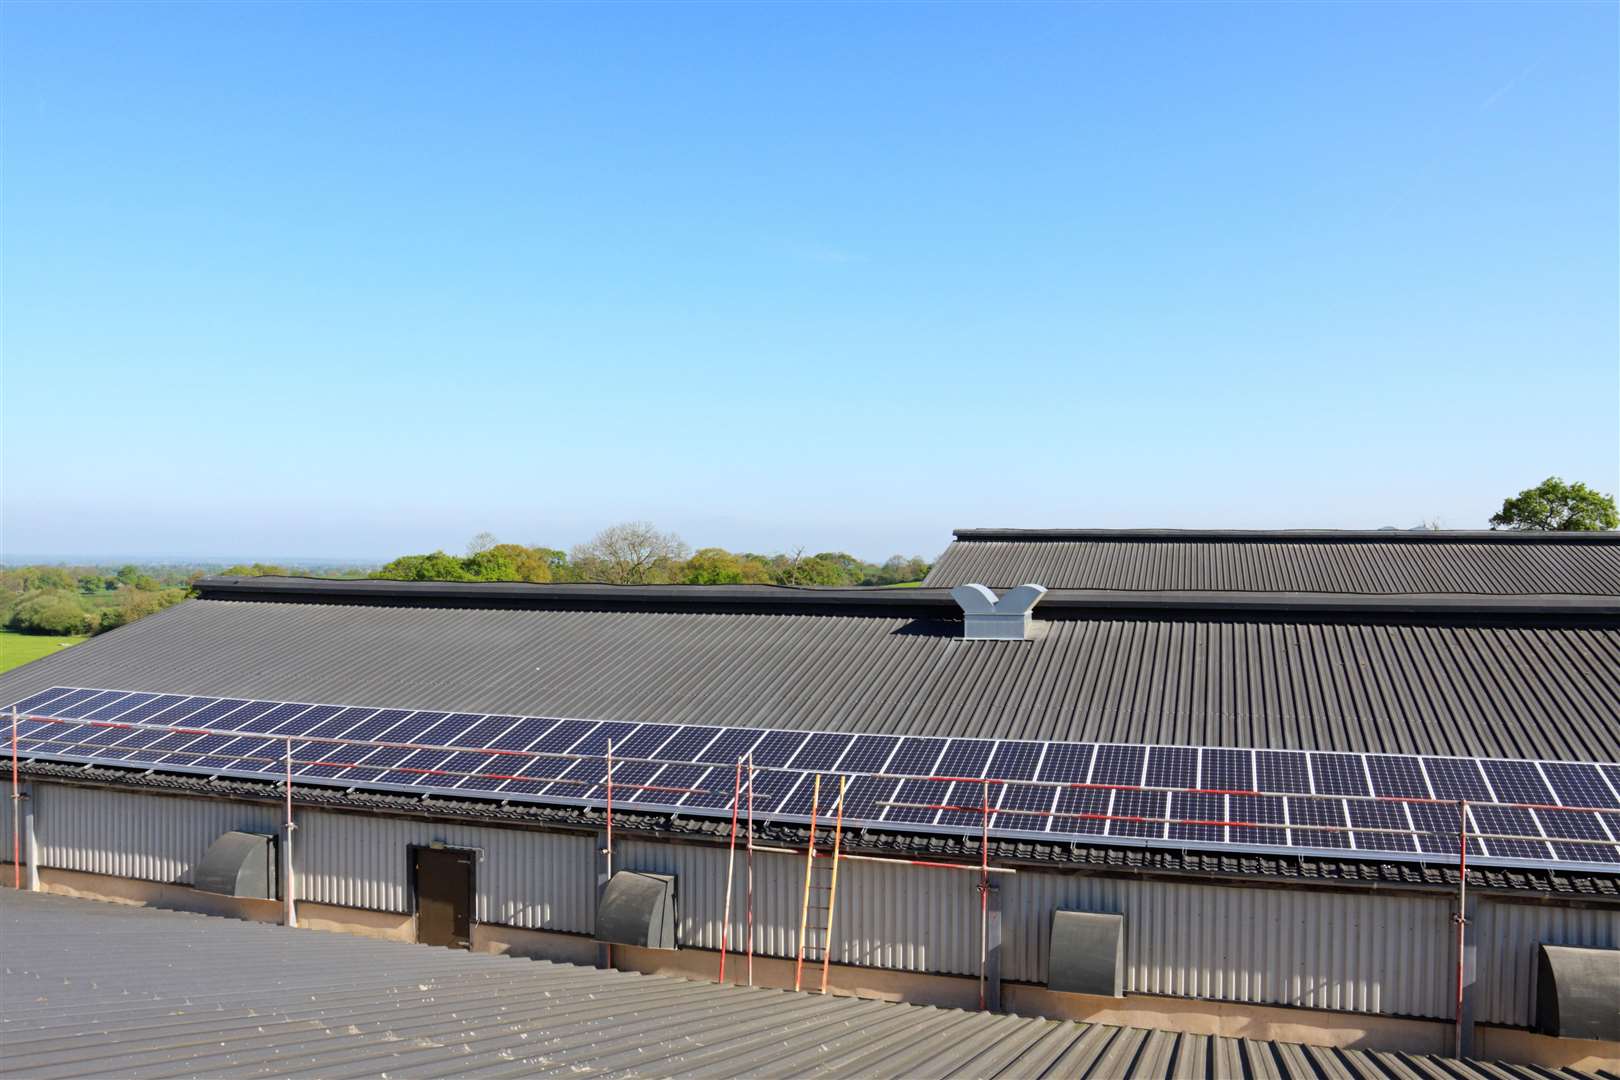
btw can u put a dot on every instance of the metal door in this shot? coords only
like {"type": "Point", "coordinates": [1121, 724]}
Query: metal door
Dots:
{"type": "Point", "coordinates": [443, 879]}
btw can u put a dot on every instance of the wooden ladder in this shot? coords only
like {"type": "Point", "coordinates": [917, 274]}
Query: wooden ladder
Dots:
{"type": "Point", "coordinates": [820, 882]}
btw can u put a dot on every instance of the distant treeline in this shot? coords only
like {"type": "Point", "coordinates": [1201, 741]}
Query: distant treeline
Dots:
{"type": "Point", "coordinates": [637, 553]}
{"type": "Point", "coordinates": [73, 600]}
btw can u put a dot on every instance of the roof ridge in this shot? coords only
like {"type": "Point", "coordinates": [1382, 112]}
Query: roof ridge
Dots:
{"type": "Point", "coordinates": [1303, 536]}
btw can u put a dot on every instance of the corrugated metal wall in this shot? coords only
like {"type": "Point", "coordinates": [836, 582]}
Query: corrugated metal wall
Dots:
{"type": "Point", "coordinates": [534, 880]}
{"type": "Point", "coordinates": [1362, 952]}
{"type": "Point", "coordinates": [1379, 953]}
{"type": "Point", "coordinates": [1388, 953]}
{"type": "Point", "coordinates": [1508, 935]}
{"type": "Point", "coordinates": [6, 809]}
{"type": "Point", "coordinates": [136, 836]}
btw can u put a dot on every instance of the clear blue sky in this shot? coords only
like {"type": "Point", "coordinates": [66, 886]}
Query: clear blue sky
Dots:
{"type": "Point", "coordinates": [360, 279]}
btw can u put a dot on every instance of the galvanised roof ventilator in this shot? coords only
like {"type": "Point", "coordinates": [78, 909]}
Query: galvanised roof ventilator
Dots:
{"type": "Point", "coordinates": [987, 619]}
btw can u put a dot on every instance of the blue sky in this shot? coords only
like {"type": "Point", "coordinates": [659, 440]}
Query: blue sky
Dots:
{"type": "Point", "coordinates": [354, 280]}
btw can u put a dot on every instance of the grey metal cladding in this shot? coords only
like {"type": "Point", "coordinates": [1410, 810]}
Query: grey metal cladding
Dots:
{"type": "Point", "coordinates": [1328, 563]}
{"type": "Point", "coordinates": [1550, 692]}
{"type": "Point", "coordinates": [294, 1002]}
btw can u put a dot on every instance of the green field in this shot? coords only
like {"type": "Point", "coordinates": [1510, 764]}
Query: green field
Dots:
{"type": "Point", "coordinates": [17, 649]}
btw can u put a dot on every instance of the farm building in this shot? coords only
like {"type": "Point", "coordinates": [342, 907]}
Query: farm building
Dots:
{"type": "Point", "coordinates": [1217, 783]}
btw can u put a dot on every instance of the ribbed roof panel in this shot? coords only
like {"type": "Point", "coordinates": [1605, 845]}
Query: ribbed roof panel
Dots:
{"type": "Point", "coordinates": [1493, 691]}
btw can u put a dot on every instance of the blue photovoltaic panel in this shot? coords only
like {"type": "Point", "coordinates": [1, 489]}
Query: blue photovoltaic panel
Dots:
{"type": "Point", "coordinates": [1255, 812]}
{"type": "Point", "coordinates": [689, 744]}
{"type": "Point", "coordinates": [1227, 770]}
{"type": "Point", "coordinates": [645, 741]}
{"type": "Point", "coordinates": [1192, 807]}
{"type": "Point", "coordinates": [694, 779]}
{"type": "Point", "coordinates": [548, 736]}
{"type": "Point", "coordinates": [1438, 824]}
{"type": "Point", "coordinates": [917, 756]}
{"type": "Point", "coordinates": [1579, 784]}
{"type": "Point", "coordinates": [868, 753]}
{"type": "Point", "coordinates": [1338, 774]}
{"type": "Point", "coordinates": [1282, 770]}
{"type": "Point", "coordinates": [1456, 778]}
{"type": "Point", "coordinates": [927, 792]}
{"type": "Point", "coordinates": [1509, 821]}
{"type": "Point", "coordinates": [1517, 781]}
{"type": "Point", "coordinates": [771, 786]}
{"type": "Point", "coordinates": [1033, 797]}
{"type": "Point", "coordinates": [1400, 777]}
{"type": "Point", "coordinates": [1172, 766]}
{"type": "Point", "coordinates": [1066, 763]}
{"type": "Point", "coordinates": [776, 749]}
{"type": "Point", "coordinates": [1118, 764]}
{"type": "Point", "coordinates": [1014, 761]}
{"type": "Point", "coordinates": [966, 757]}
{"type": "Point", "coordinates": [243, 739]}
{"type": "Point", "coordinates": [117, 708]}
{"type": "Point", "coordinates": [968, 794]}
{"type": "Point", "coordinates": [1147, 804]}
{"type": "Point", "coordinates": [732, 744]}
{"type": "Point", "coordinates": [596, 740]}
{"type": "Point", "coordinates": [1572, 827]}
{"type": "Point", "coordinates": [1317, 813]}
{"type": "Point", "coordinates": [1365, 817]}
{"type": "Point", "coordinates": [1081, 811]}
{"type": "Point", "coordinates": [631, 780]}
{"type": "Point", "coordinates": [798, 803]}
{"type": "Point", "coordinates": [865, 793]}
{"type": "Point", "coordinates": [821, 751]}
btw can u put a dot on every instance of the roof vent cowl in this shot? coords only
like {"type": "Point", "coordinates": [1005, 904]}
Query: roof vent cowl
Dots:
{"type": "Point", "coordinates": [985, 618]}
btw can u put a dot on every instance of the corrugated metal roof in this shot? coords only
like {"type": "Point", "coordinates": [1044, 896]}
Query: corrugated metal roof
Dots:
{"type": "Point", "coordinates": [1371, 563]}
{"type": "Point", "coordinates": [104, 989]}
{"type": "Point", "coordinates": [1495, 691]}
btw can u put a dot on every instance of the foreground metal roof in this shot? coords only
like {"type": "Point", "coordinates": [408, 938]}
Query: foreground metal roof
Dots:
{"type": "Point", "coordinates": [103, 989]}
{"type": "Point", "coordinates": [1323, 562]}
{"type": "Point", "coordinates": [1540, 691]}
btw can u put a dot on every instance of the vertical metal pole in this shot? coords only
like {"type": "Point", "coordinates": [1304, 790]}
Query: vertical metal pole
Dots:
{"type": "Point", "coordinates": [1462, 914]}
{"type": "Point", "coordinates": [609, 852]}
{"type": "Point", "coordinates": [30, 841]}
{"type": "Point", "coordinates": [289, 885]}
{"type": "Point", "coordinates": [992, 979]}
{"type": "Point", "coordinates": [16, 811]}
{"type": "Point", "coordinates": [750, 868]}
{"type": "Point", "coordinates": [731, 868]}
{"type": "Point", "coordinates": [984, 887]}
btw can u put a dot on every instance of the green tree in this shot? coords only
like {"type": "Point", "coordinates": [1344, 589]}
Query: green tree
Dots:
{"type": "Point", "coordinates": [53, 611]}
{"type": "Point", "coordinates": [1555, 506]}
{"type": "Point", "coordinates": [436, 566]}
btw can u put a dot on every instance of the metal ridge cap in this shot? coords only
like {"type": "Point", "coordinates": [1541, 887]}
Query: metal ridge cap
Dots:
{"type": "Point", "coordinates": [915, 603]}
{"type": "Point", "coordinates": [1302, 536]}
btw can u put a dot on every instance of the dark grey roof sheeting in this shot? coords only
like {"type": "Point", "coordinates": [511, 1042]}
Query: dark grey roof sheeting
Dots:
{"type": "Point", "coordinates": [1544, 692]}
{"type": "Point", "coordinates": [103, 989]}
{"type": "Point", "coordinates": [1378, 563]}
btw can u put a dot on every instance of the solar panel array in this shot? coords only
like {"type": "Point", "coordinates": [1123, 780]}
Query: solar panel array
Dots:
{"type": "Point", "coordinates": [1184, 797]}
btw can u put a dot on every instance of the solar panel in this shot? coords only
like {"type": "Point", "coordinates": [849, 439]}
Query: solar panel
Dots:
{"type": "Point", "coordinates": [1316, 801]}
{"type": "Point", "coordinates": [1368, 819]}
{"type": "Point", "coordinates": [1172, 766]}
{"type": "Point", "coordinates": [1117, 764]}
{"type": "Point", "coordinates": [1317, 823]}
{"type": "Point", "coordinates": [1338, 774]}
{"type": "Point", "coordinates": [1397, 776]}
{"type": "Point", "coordinates": [1456, 778]}
{"type": "Point", "coordinates": [1579, 784]}
{"type": "Point", "coordinates": [1192, 807]}
{"type": "Point", "coordinates": [1014, 761]}
{"type": "Point", "coordinates": [1227, 770]}
{"type": "Point", "coordinates": [1282, 770]}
